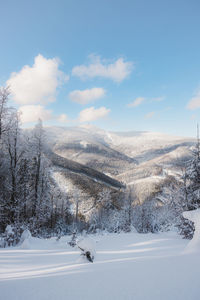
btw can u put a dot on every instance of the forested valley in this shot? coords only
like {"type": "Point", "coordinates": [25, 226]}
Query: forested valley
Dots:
{"type": "Point", "coordinates": [33, 196]}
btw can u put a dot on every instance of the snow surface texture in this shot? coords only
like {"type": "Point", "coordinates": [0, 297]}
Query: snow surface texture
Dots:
{"type": "Point", "coordinates": [194, 244]}
{"type": "Point", "coordinates": [126, 266]}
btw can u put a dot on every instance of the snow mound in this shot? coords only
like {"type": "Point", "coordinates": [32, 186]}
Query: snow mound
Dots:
{"type": "Point", "coordinates": [25, 239]}
{"type": "Point", "coordinates": [194, 244]}
{"type": "Point", "coordinates": [25, 244]}
{"type": "Point", "coordinates": [25, 235]}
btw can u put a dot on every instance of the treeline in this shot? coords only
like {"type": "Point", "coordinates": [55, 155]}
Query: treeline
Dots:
{"type": "Point", "coordinates": [29, 197]}
{"type": "Point", "coordinates": [165, 206]}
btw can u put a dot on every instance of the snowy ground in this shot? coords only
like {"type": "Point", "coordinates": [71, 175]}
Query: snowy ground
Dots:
{"type": "Point", "coordinates": [126, 266]}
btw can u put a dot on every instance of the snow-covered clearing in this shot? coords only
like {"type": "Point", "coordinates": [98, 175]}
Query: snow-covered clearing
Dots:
{"type": "Point", "coordinates": [126, 266]}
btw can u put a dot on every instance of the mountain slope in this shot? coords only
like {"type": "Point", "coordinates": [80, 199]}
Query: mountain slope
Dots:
{"type": "Point", "coordinates": [143, 160]}
{"type": "Point", "coordinates": [82, 170]}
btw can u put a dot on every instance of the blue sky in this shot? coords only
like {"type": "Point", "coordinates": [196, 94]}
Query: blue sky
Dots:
{"type": "Point", "coordinates": [119, 65]}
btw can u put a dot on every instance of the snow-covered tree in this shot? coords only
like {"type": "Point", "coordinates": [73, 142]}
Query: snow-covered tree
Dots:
{"type": "Point", "coordinates": [191, 189]}
{"type": "Point", "coordinates": [4, 94]}
{"type": "Point", "coordinates": [192, 178]}
{"type": "Point", "coordinates": [129, 199]}
{"type": "Point", "coordinates": [15, 152]}
{"type": "Point", "coordinates": [28, 194]}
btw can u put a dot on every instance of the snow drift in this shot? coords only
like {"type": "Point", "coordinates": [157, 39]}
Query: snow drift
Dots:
{"type": "Point", "coordinates": [194, 244]}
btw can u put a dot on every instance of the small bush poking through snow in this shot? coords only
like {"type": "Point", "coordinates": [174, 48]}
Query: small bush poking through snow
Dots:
{"type": "Point", "coordinates": [87, 248]}
{"type": "Point", "coordinates": [11, 236]}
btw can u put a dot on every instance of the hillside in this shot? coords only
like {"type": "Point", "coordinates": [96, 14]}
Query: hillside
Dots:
{"type": "Point", "coordinates": [143, 160]}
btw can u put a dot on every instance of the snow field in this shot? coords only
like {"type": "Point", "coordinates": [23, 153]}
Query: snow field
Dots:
{"type": "Point", "coordinates": [126, 266]}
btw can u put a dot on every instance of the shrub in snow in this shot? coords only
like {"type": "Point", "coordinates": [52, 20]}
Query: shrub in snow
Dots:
{"type": "Point", "coordinates": [87, 247]}
{"type": "Point", "coordinates": [72, 243]}
{"type": "Point", "coordinates": [8, 238]}
{"type": "Point", "coordinates": [11, 236]}
{"type": "Point", "coordinates": [186, 227]}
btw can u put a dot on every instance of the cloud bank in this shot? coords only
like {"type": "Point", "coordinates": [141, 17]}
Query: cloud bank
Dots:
{"type": "Point", "coordinates": [92, 114]}
{"type": "Point", "coordinates": [86, 96]}
{"type": "Point", "coordinates": [36, 84]}
{"type": "Point", "coordinates": [117, 71]}
{"type": "Point", "coordinates": [31, 113]}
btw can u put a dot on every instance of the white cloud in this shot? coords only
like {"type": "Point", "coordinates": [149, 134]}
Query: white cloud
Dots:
{"type": "Point", "coordinates": [150, 115]}
{"type": "Point", "coordinates": [87, 96]}
{"type": "Point", "coordinates": [31, 113]}
{"type": "Point", "coordinates": [92, 114]}
{"type": "Point", "coordinates": [136, 102]}
{"type": "Point", "coordinates": [117, 71]}
{"type": "Point", "coordinates": [140, 100]}
{"type": "Point", "coordinates": [37, 83]}
{"type": "Point", "coordinates": [194, 103]}
{"type": "Point", "coordinates": [62, 118]}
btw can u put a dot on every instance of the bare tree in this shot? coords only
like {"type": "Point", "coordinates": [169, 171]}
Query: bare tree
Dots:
{"type": "Point", "coordinates": [38, 143]}
{"type": "Point", "coordinates": [15, 153]}
{"type": "Point", "coordinates": [4, 93]}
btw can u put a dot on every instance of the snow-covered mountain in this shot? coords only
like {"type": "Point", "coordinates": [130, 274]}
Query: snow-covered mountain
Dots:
{"type": "Point", "coordinates": [143, 160]}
